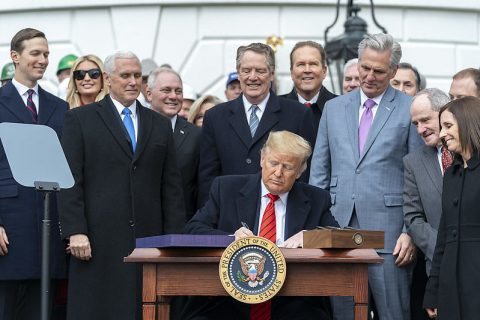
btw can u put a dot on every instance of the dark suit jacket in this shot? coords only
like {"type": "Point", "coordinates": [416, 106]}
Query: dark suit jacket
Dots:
{"type": "Point", "coordinates": [454, 278]}
{"type": "Point", "coordinates": [187, 146]}
{"type": "Point", "coordinates": [227, 146]}
{"type": "Point", "coordinates": [236, 199]}
{"type": "Point", "coordinates": [317, 107]}
{"type": "Point", "coordinates": [118, 196]}
{"type": "Point", "coordinates": [21, 208]}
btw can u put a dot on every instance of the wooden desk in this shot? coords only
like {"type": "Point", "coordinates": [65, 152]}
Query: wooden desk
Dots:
{"type": "Point", "coordinates": [310, 272]}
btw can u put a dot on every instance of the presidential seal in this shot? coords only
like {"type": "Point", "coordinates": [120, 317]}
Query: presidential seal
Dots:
{"type": "Point", "coordinates": [252, 270]}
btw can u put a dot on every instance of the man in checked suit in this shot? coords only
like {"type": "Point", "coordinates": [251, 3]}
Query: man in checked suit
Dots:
{"type": "Point", "coordinates": [22, 100]}
{"type": "Point", "coordinates": [308, 69]}
{"type": "Point", "coordinates": [233, 132]}
{"type": "Point", "coordinates": [127, 186]}
{"type": "Point", "coordinates": [362, 139]}
{"type": "Point", "coordinates": [422, 196]}
{"type": "Point", "coordinates": [245, 198]}
{"type": "Point", "coordinates": [165, 94]}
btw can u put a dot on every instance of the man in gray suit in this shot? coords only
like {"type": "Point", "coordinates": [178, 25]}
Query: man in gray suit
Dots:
{"type": "Point", "coordinates": [422, 195]}
{"type": "Point", "coordinates": [361, 141]}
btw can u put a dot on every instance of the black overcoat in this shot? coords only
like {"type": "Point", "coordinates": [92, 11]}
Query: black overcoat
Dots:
{"type": "Point", "coordinates": [118, 196]}
{"type": "Point", "coordinates": [455, 278]}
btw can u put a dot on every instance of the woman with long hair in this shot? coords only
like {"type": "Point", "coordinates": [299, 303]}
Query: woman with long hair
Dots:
{"type": "Point", "coordinates": [452, 288]}
{"type": "Point", "coordinates": [86, 81]}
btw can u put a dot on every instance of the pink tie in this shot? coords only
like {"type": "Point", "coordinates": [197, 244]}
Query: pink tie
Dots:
{"type": "Point", "coordinates": [365, 124]}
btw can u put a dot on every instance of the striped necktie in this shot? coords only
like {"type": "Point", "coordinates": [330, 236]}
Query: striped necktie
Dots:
{"type": "Point", "coordinates": [268, 230]}
{"type": "Point", "coordinates": [253, 123]}
{"type": "Point", "coordinates": [31, 105]}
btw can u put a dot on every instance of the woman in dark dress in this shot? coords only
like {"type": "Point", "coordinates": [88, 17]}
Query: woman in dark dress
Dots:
{"type": "Point", "coordinates": [453, 287]}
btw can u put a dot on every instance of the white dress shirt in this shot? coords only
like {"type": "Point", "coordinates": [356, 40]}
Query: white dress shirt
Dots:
{"type": "Point", "coordinates": [280, 212]}
{"type": "Point", "coordinates": [364, 98]}
{"type": "Point", "coordinates": [133, 115]}
{"type": "Point", "coordinates": [22, 91]}
{"type": "Point", "coordinates": [261, 107]}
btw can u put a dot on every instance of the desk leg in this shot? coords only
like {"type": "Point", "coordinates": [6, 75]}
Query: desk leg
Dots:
{"type": "Point", "coordinates": [149, 295]}
{"type": "Point", "coordinates": [163, 308]}
{"type": "Point", "coordinates": [360, 297]}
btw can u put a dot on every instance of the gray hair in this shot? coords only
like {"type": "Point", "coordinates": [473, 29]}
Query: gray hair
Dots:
{"type": "Point", "coordinates": [349, 63]}
{"type": "Point", "coordinates": [381, 42]}
{"type": "Point", "coordinates": [109, 63]}
{"type": "Point", "coordinates": [257, 48]}
{"type": "Point", "coordinates": [437, 98]}
{"type": "Point", "coordinates": [152, 78]}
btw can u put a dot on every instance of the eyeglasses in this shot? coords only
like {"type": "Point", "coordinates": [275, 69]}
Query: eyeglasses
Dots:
{"type": "Point", "coordinates": [92, 73]}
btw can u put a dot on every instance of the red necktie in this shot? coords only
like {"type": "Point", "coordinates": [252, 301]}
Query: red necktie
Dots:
{"type": "Point", "coordinates": [268, 230]}
{"type": "Point", "coordinates": [31, 105]}
{"type": "Point", "coordinates": [308, 104]}
{"type": "Point", "coordinates": [447, 159]}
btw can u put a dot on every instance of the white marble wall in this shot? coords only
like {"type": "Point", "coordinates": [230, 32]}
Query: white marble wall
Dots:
{"type": "Point", "coordinates": [199, 38]}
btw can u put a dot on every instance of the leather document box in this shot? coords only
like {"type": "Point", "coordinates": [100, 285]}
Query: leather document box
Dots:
{"type": "Point", "coordinates": [329, 238]}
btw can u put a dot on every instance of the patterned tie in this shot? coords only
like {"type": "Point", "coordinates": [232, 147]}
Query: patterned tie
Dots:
{"type": "Point", "coordinates": [365, 124]}
{"type": "Point", "coordinates": [447, 159]}
{"type": "Point", "coordinates": [128, 122]}
{"type": "Point", "coordinates": [308, 104]}
{"type": "Point", "coordinates": [268, 230]}
{"type": "Point", "coordinates": [31, 105]}
{"type": "Point", "coordinates": [253, 119]}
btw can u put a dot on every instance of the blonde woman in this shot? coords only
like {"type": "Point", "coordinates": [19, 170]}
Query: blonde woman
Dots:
{"type": "Point", "coordinates": [86, 81]}
{"type": "Point", "coordinates": [200, 106]}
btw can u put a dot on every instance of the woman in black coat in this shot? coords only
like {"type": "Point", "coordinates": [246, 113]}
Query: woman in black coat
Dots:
{"type": "Point", "coordinates": [452, 289]}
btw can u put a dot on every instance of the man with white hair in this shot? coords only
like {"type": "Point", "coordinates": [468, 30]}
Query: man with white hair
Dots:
{"type": "Point", "coordinates": [127, 186]}
{"type": "Point", "coordinates": [362, 138]}
{"type": "Point", "coordinates": [351, 79]}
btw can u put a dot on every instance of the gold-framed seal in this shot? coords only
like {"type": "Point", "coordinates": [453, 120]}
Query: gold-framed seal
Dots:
{"type": "Point", "coordinates": [252, 270]}
{"type": "Point", "coordinates": [357, 238]}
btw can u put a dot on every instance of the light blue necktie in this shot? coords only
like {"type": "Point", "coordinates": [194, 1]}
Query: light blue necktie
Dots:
{"type": "Point", "coordinates": [253, 119]}
{"type": "Point", "coordinates": [128, 122]}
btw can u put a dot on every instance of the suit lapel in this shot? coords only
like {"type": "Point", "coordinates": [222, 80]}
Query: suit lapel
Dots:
{"type": "Point", "coordinates": [385, 109]}
{"type": "Point", "coordinates": [269, 118]}
{"type": "Point", "coordinates": [351, 114]}
{"type": "Point", "coordinates": [14, 103]}
{"type": "Point", "coordinates": [238, 120]}
{"type": "Point", "coordinates": [106, 111]}
{"type": "Point", "coordinates": [145, 123]}
{"type": "Point", "coordinates": [47, 106]}
{"type": "Point", "coordinates": [180, 133]}
{"type": "Point", "coordinates": [432, 166]}
{"type": "Point", "coordinates": [248, 203]}
{"type": "Point", "coordinates": [298, 208]}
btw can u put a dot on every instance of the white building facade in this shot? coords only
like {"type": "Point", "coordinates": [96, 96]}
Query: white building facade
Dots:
{"type": "Point", "coordinates": [199, 38]}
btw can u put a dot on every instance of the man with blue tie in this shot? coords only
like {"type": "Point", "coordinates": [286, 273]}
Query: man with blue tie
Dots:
{"type": "Point", "coordinates": [233, 132]}
{"type": "Point", "coordinates": [362, 138]}
{"type": "Point", "coordinates": [22, 100]}
{"type": "Point", "coordinates": [127, 186]}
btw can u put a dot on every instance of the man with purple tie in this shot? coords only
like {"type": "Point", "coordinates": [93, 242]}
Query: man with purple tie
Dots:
{"type": "Point", "coordinates": [22, 100]}
{"type": "Point", "coordinates": [362, 138]}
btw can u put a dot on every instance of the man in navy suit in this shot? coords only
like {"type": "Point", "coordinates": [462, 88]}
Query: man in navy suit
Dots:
{"type": "Point", "coordinates": [238, 199]}
{"type": "Point", "coordinates": [233, 132]}
{"type": "Point", "coordinates": [308, 69]}
{"type": "Point", "coordinates": [23, 101]}
{"type": "Point", "coordinates": [165, 94]}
